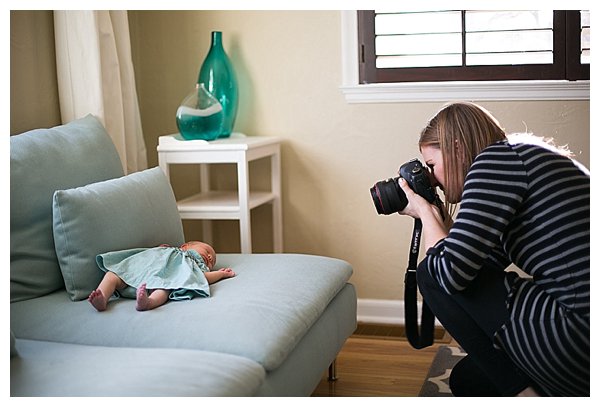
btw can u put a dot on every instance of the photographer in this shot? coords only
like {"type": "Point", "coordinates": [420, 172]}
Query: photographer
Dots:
{"type": "Point", "coordinates": [523, 202]}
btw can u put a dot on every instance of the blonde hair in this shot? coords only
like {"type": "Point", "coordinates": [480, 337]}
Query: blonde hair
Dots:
{"type": "Point", "coordinates": [461, 130]}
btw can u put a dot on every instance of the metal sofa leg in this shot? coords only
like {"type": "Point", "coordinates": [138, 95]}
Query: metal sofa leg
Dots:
{"type": "Point", "coordinates": [332, 372]}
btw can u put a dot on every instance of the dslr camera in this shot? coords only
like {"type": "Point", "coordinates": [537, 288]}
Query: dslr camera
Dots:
{"type": "Point", "coordinates": [389, 198]}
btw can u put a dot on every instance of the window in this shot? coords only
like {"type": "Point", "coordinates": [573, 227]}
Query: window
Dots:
{"type": "Point", "coordinates": [472, 45]}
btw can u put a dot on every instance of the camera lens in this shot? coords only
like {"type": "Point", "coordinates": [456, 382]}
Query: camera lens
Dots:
{"type": "Point", "coordinates": [388, 197]}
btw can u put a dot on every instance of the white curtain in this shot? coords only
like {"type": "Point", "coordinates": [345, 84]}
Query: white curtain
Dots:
{"type": "Point", "coordinates": [95, 75]}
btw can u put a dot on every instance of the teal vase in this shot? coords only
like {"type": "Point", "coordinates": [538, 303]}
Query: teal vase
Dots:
{"type": "Point", "coordinates": [219, 79]}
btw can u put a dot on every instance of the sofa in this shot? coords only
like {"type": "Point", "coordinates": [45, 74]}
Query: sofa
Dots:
{"type": "Point", "coordinates": [272, 330]}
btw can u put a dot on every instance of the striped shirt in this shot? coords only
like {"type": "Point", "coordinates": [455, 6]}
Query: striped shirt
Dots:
{"type": "Point", "coordinates": [527, 205]}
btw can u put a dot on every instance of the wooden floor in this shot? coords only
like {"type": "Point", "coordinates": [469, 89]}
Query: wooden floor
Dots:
{"type": "Point", "coordinates": [380, 363]}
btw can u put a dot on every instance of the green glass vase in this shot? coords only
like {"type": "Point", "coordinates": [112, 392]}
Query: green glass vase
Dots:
{"type": "Point", "coordinates": [200, 115]}
{"type": "Point", "coordinates": [218, 76]}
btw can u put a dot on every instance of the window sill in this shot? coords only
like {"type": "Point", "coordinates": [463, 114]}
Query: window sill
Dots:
{"type": "Point", "coordinates": [473, 91]}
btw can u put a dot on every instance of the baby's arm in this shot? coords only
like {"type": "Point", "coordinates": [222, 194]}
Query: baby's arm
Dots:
{"type": "Point", "coordinates": [214, 276]}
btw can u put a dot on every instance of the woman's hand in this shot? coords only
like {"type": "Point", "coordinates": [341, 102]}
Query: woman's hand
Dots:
{"type": "Point", "coordinates": [416, 203]}
{"type": "Point", "coordinates": [434, 228]}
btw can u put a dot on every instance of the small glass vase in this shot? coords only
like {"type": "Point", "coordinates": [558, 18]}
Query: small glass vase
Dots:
{"type": "Point", "coordinates": [218, 76]}
{"type": "Point", "coordinates": [200, 115]}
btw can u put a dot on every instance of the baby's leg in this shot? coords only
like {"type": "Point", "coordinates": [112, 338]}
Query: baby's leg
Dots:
{"type": "Point", "coordinates": [214, 276]}
{"type": "Point", "coordinates": [99, 297]}
{"type": "Point", "coordinates": [145, 302]}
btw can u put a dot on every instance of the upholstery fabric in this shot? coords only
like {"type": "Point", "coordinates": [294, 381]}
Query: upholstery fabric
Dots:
{"type": "Point", "coordinates": [58, 369]}
{"type": "Point", "coordinates": [42, 161]}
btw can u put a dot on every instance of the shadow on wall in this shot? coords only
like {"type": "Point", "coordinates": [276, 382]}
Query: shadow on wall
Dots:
{"type": "Point", "coordinates": [303, 207]}
{"type": "Point", "coordinates": [246, 107]}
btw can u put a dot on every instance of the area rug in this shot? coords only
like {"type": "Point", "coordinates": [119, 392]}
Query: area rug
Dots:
{"type": "Point", "coordinates": [436, 382]}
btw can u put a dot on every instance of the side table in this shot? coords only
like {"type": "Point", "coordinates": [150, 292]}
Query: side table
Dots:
{"type": "Point", "coordinates": [210, 204]}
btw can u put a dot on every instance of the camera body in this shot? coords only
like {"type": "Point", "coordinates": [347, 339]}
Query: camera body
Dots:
{"type": "Point", "coordinates": [389, 198]}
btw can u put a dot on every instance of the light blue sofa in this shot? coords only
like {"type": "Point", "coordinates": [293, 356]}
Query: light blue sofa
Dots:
{"type": "Point", "coordinates": [271, 331]}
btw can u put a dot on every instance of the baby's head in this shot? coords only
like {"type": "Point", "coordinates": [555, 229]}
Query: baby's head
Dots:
{"type": "Point", "coordinates": [204, 250]}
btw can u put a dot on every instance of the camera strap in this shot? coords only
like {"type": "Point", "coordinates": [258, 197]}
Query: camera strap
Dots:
{"type": "Point", "coordinates": [418, 337]}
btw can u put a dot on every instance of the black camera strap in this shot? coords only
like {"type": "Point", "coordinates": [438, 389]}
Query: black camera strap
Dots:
{"type": "Point", "coordinates": [418, 337]}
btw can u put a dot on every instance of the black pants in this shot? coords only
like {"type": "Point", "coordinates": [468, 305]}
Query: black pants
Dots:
{"type": "Point", "coordinates": [472, 317]}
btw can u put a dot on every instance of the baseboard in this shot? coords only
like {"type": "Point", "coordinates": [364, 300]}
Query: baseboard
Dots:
{"type": "Point", "coordinates": [385, 312]}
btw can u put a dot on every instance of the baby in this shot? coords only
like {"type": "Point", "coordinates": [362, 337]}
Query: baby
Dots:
{"type": "Point", "coordinates": [159, 274]}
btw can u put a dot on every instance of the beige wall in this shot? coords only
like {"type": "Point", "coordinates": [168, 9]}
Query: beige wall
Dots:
{"type": "Point", "coordinates": [289, 69]}
{"type": "Point", "coordinates": [33, 88]}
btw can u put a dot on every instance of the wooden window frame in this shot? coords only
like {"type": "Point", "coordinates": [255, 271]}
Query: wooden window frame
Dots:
{"type": "Point", "coordinates": [566, 64]}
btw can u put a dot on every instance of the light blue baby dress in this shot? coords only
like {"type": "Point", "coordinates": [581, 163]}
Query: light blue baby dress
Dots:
{"type": "Point", "coordinates": [170, 268]}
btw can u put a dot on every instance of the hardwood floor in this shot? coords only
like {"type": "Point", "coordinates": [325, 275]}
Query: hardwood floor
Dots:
{"type": "Point", "coordinates": [380, 364]}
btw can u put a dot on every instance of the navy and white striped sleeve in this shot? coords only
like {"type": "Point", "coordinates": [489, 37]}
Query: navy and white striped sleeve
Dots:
{"type": "Point", "coordinates": [495, 186]}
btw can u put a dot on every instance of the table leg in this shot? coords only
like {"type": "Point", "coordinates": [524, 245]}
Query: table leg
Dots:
{"type": "Point", "coordinates": [276, 189]}
{"type": "Point", "coordinates": [243, 196]}
{"type": "Point", "coordinates": [207, 235]}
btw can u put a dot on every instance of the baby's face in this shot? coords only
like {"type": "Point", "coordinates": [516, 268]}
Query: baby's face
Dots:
{"type": "Point", "coordinates": [204, 250]}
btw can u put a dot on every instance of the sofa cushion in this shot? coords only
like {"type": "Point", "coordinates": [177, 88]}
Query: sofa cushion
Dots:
{"type": "Point", "coordinates": [137, 210]}
{"type": "Point", "coordinates": [58, 369]}
{"type": "Point", "coordinates": [262, 313]}
{"type": "Point", "coordinates": [42, 161]}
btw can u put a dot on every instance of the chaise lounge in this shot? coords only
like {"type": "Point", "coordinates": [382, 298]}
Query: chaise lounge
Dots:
{"type": "Point", "coordinates": [271, 331]}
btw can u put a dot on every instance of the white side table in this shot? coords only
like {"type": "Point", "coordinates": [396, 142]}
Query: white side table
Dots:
{"type": "Point", "coordinates": [210, 204]}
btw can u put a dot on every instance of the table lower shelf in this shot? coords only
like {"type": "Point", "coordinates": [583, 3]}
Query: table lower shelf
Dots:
{"type": "Point", "coordinates": [219, 204]}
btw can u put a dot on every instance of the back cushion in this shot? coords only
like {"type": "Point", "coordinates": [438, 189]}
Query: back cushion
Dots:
{"type": "Point", "coordinates": [41, 162]}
